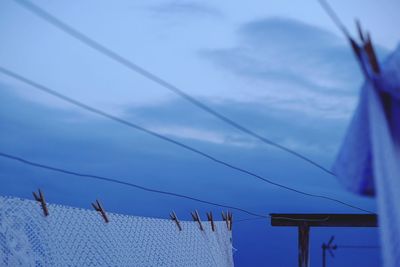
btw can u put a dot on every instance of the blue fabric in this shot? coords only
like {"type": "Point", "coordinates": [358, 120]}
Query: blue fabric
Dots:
{"type": "Point", "coordinates": [354, 166]}
{"type": "Point", "coordinates": [369, 160]}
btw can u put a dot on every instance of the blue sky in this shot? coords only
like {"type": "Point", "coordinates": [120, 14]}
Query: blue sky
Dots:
{"type": "Point", "coordinates": [282, 69]}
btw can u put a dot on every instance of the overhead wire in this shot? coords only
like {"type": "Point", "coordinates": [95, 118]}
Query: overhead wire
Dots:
{"type": "Point", "coordinates": [334, 17]}
{"type": "Point", "coordinates": [51, 19]}
{"type": "Point", "coordinates": [157, 191]}
{"type": "Point", "coordinates": [121, 182]}
{"type": "Point", "coordinates": [165, 138]}
{"type": "Point", "coordinates": [357, 247]}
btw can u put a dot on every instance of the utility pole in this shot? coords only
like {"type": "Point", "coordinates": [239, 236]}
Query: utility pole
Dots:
{"type": "Point", "coordinates": [304, 222]}
{"type": "Point", "coordinates": [330, 249]}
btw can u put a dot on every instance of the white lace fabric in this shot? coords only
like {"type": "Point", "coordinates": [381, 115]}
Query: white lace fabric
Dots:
{"type": "Point", "coordinates": [77, 237]}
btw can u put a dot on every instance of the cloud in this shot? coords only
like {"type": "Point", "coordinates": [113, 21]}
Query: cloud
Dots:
{"type": "Point", "coordinates": [293, 67]}
{"type": "Point", "coordinates": [98, 146]}
{"type": "Point", "coordinates": [175, 118]}
{"type": "Point", "coordinates": [203, 135]}
{"type": "Point", "coordinates": [185, 8]}
{"type": "Point", "coordinates": [313, 136]}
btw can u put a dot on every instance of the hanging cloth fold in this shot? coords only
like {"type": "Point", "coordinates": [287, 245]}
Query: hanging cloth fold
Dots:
{"type": "Point", "coordinates": [368, 162]}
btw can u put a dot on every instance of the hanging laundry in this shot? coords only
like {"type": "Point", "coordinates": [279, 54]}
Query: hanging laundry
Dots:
{"type": "Point", "coordinates": [369, 160]}
{"type": "Point", "coordinates": [77, 237]}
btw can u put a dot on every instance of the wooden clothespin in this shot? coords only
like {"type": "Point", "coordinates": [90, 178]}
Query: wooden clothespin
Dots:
{"type": "Point", "coordinates": [360, 32]}
{"type": "Point", "coordinates": [225, 219]}
{"type": "Point", "coordinates": [228, 218]}
{"type": "Point", "coordinates": [365, 41]}
{"type": "Point", "coordinates": [172, 215]}
{"type": "Point", "coordinates": [366, 45]}
{"type": "Point", "coordinates": [369, 49]}
{"type": "Point", "coordinates": [42, 202]}
{"type": "Point", "coordinates": [98, 207]}
{"type": "Point", "coordinates": [211, 220]}
{"type": "Point", "coordinates": [196, 218]}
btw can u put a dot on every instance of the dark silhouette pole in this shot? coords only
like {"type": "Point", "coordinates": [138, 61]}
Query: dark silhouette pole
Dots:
{"type": "Point", "coordinates": [328, 247]}
{"type": "Point", "coordinates": [304, 222]}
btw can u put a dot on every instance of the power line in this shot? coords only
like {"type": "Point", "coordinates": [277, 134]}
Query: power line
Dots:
{"type": "Point", "coordinates": [358, 247]}
{"type": "Point", "coordinates": [117, 181]}
{"type": "Point", "coordinates": [165, 138]}
{"type": "Point", "coordinates": [153, 77]}
{"type": "Point", "coordinates": [248, 219]}
{"type": "Point", "coordinates": [334, 17]}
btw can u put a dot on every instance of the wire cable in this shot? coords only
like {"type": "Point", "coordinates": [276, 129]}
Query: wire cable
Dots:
{"type": "Point", "coordinates": [357, 247]}
{"type": "Point", "coordinates": [153, 77]}
{"type": "Point", "coordinates": [165, 138]}
{"type": "Point", "coordinates": [334, 17]}
{"type": "Point", "coordinates": [117, 181]}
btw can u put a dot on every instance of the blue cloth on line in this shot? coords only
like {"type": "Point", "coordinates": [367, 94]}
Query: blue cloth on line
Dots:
{"type": "Point", "coordinates": [369, 160]}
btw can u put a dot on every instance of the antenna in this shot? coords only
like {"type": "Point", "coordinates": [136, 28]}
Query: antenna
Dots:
{"type": "Point", "coordinates": [328, 247]}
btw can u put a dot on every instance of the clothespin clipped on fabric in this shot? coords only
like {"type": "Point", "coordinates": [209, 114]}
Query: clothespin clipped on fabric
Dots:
{"type": "Point", "coordinates": [98, 207]}
{"type": "Point", "coordinates": [211, 220]}
{"type": "Point", "coordinates": [42, 202]}
{"type": "Point", "coordinates": [173, 217]}
{"type": "Point", "coordinates": [225, 219]}
{"type": "Point", "coordinates": [228, 218]}
{"type": "Point", "coordinates": [196, 218]}
{"type": "Point", "coordinates": [366, 45]}
{"type": "Point", "coordinates": [360, 32]}
{"type": "Point", "coordinates": [369, 49]}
